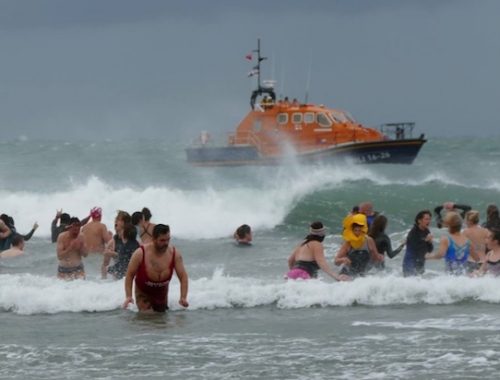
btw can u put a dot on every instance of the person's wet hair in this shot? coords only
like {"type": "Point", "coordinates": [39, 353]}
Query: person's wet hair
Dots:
{"type": "Point", "coordinates": [65, 218]}
{"type": "Point", "coordinates": [378, 226]}
{"type": "Point", "coordinates": [495, 234]}
{"type": "Point", "coordinates": [17, 239]}
{"type": "Point", "coordinates": [147, 214]}
{"type": "Point", "coordinates": [472, 216]}
{"type": "Point", "coordinates": [453, 221]}
{"type": "Point", "coordinates": [5, 219]}
{"type": "Point", "coordinates": [129, 231]}
{"type": "Point", "coordinates": [137, 217]}
{"type": "Point", "coordinates": [243, 230]}
{"type": "Point", "coordinates": [74, 220]}
{"type": "Point", "coordinates": [124, 216]}
{"type": "Point", "coordinates": [317, 233]}
{"type": "Point", "coordinates": [160, 229]}
{"type": "Point", "coordinates": [421, 215]}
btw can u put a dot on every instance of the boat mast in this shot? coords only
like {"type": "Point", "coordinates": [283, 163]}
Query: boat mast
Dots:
{"type": "Point", "coordinates": [260, 90]}
{"type": "Point", "coordinates": [259, 60]}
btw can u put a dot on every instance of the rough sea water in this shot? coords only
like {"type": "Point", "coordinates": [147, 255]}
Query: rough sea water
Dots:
{"type": "Point", "coordinates": [244, 319]}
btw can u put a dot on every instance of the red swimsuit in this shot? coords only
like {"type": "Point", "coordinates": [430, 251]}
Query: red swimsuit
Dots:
{"type": "Point", "coordinates": [157, 291]}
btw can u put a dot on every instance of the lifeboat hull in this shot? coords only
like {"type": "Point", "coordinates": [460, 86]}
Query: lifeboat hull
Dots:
{"type": "Point", "coordinates": [374, 152]}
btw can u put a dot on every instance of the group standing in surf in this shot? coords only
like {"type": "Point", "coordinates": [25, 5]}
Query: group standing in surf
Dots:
{"type": "Point", "coordinates": [140, 251]}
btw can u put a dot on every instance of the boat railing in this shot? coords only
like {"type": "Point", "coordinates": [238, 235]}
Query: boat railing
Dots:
{"type": "Point", "coordinates": [264, 147]}
{"type": "Point", "coordinates": [398, 131]}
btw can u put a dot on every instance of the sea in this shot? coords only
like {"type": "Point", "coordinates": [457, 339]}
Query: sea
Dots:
{"type": "Point", "coordinates": [244, 320]}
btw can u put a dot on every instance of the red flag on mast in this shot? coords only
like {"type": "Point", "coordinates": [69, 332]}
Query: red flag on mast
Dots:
{"type": "Point", "coordinates": [249, 56]}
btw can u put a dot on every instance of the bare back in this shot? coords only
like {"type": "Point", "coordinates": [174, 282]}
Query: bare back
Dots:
{"type": "Point", "coordinates": [477, 235]}
{"type": "Point", "coordinates": [95, 235]}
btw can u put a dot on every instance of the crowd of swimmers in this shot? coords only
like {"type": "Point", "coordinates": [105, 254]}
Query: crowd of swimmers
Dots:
{"type": "Point", "coordinates": [140, 251]}
{"type": "Point", "coordinates": [472, 251]}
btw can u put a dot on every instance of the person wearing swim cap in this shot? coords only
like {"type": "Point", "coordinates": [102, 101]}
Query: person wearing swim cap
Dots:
{"type": "Point", "coordinates": [358, 248]}
{"type": "Point", "coordinates": [95, 233]}
{"type": "Point", "coordinates": [307, 258]}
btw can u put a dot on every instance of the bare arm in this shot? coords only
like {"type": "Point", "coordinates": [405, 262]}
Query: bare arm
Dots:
{"type": "Point", "coordinates": [61, 251]}
{"type": "Point", "coordinates": [375, 256]}
{"type": "Point", "coordinates": [83, 247]}
{"type": "Point", "coordinates": [473, 253]}
{"type": "Point", "coordinates": [291, 258]}
{"type": "Point", "coordinates": [319, 257]}
{"type": "Point", "coordinates": [443, 247]}
{"type": "Point", "coordinates": [183, 279]}
{"type": "Point", "coordinates": [341, 257]}
{"type": "Point", "coordinates": [133, 266]}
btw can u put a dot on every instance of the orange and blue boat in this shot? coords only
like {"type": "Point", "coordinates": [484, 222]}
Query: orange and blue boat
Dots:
{"type": "Point", "coordinates": [279, 131]}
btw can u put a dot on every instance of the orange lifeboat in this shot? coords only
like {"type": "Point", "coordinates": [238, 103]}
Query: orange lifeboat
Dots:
{"type": "Point", "coordinates": [275, 129]}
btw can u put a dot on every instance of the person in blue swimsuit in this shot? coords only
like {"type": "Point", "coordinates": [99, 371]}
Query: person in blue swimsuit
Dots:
{"type": "Point", "coordinates": [455, 247]}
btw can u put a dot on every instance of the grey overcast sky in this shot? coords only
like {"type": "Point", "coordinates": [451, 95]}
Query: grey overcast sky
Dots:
{"type": "Point", "coordinates": [159, 69]}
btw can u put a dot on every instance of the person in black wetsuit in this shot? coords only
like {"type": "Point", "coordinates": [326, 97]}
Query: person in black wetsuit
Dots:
{"type": "Point", "coordinates": [382, 241]}
{"type": "Point", "coordinates": [418, 243]}
{"type": "Point", "coordinates": [441, 211]}
{"type": "Point", "coordinates": [9, 222]}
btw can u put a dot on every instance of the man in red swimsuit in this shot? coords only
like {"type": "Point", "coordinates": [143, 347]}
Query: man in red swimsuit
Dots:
{"type": "Point", "coordinates": [152, 267]}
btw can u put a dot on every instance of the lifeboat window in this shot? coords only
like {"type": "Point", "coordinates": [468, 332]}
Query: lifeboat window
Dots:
{"type": "Point", "coordinates": [323, 120]}
{"type": "Point", "coordinates": [349, 117]}
{"type": "Point", "coordinates": [309, 117]}
{"type": "Point", "coordinates": [282, 118]}
{"type": "Point", "coordinates": [339, 117]}
{"type": "Point", "coordinates": [297, 118]}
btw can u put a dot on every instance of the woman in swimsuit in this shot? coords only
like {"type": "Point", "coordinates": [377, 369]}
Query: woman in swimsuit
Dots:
{"type": "Point", "coordinates": [455, 247]}
{"type": "Point", "coordinates": [309, 257]}
{"type": "Point", "coordinates": [146, 226]}
{"type": "Point", "coordinates": [477, 235]}
{"type": "Point", "coordinates": [492, 263]}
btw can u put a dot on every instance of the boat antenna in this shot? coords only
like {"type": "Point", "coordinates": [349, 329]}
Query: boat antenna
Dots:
{"type": "Point", "coordinates": [308, 81]}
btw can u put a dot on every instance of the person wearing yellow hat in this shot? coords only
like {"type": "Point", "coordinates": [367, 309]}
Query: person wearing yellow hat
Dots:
{"type": "Point", "coordinates": [358, 248]}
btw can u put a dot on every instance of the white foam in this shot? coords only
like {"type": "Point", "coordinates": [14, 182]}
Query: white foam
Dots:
{"type": "Point", "coordinates": [29, 294]}
{"type": "Point", "coordinates": [192, 214]}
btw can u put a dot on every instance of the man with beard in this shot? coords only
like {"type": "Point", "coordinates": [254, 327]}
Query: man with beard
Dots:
{"type": "Point", "coordinates": [70, 250]}
{"type": "Point", "coordinates": [152, 267]}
